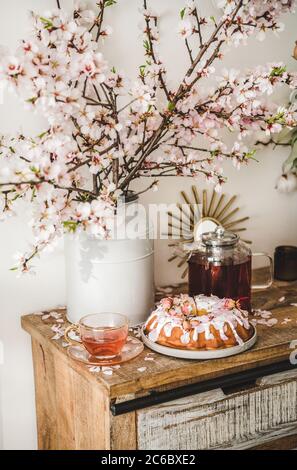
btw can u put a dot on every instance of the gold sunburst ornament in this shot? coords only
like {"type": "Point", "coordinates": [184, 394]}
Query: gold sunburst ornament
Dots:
{"type": "Point", "coordinates": [199, 213]}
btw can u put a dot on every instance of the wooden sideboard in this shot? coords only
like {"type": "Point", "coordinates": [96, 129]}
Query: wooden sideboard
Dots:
{"type": "Point", "coordinates": [157, 402]}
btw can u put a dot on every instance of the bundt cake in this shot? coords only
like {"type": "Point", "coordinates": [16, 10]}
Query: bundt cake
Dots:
{"type": "Point", "coordinates": [198, 322]}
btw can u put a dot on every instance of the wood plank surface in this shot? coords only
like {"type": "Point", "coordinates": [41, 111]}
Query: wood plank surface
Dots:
{"type": "Point", "coordinates": [141, 374]}
{"type": "Point", "coordinates": [251, 418]}
{"type": "Point", "coordinates": [72, 411]}
{"type": "Point", "coordinates": [123, 432]}
{"type": "Point", "coordinates": [45, 396]}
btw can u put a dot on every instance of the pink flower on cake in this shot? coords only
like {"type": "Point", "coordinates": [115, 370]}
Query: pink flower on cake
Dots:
{"type": "Point", "coordinates": [229, 304]}
{"type": "Point", "coordinates": [172, 312]}
{"type": "Point", "coordinates": [166, 303]}
{"type": "Point", "coordinates": [187, 308]}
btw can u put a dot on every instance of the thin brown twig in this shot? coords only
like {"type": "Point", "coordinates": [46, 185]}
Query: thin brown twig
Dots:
{"type": "Point", "coordinates": [189, 51]}
{"type": "Point", "coordinates": [100, 22]}
{"type": "Point", "coordinates": [126, 105]}
{"type": "Point", "coordinates": [42, 181]}
{"type": "Point", "coordinates": [271, 141]}
{"type": "Point", "coordinates": [195, 14]}
{"type": "Point", "coordinates": [115, 171]}
{"type": "Point", "coordinates": [147, 189]}
{"type": "Point", "coordinates": [97, 92]}
{"type": "Point", "coordinates": [95, 184]}
{"type": "Point", "coordinates": [152, 53]}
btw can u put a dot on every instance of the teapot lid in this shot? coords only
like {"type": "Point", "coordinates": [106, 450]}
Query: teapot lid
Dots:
{"type": "Point", "coordinates": [220, 237]}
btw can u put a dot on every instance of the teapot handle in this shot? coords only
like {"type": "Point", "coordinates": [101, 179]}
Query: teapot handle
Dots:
{"type": "Point", "coordinates": [270, 281]}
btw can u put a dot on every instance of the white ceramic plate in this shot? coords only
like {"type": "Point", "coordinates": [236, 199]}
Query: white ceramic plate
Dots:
{"type": "Point", "coordinates": [199, 354]}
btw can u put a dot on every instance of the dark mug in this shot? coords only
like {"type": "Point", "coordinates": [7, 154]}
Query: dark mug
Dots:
{"type": "Point", "coordinates": [285, 263]}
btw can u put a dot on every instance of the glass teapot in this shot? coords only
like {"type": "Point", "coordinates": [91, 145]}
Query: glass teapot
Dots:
{"type": "Point", "coordinates": [221, 265]}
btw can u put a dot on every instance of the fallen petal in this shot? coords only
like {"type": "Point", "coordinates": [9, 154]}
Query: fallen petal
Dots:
{"type": "Point", "coordinates": [95, 369]}
{"type": "Point", "coordinates": [57, 336]}
{"type": "Point", "coordinates": [266, 314]}
{"type": "Point", "coordinates": [272, 321]}
{"type": "Point", "coordinates": [45, 317]}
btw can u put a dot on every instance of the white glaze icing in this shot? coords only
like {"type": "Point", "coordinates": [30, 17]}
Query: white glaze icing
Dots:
{"type": "Point", "coordinates": [208, 334]}
{"type": "Point", "coordinates": [206, 303]}
{"type": "Point", "coordinates": [185, 338]}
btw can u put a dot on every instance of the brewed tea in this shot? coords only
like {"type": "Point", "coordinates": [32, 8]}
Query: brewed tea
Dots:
{"type": "Point", "coordinates": [105, 344]}
{"type": "Point", "coordinates": [224, 280]}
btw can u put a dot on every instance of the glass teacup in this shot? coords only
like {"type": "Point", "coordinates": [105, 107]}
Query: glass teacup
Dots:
{"type": "Point", "coordinates": [102, 334]}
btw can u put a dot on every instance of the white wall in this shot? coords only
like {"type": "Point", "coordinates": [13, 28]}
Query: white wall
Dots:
{"type": "Point", "coordinates": [273, 216]}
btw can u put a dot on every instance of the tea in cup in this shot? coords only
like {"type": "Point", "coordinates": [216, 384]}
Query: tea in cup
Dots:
{"type": "Point", "coordinates": [102, 334]}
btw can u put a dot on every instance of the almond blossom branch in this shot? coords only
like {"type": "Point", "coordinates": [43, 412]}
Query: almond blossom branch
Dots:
{"type": "Point", "coordinates": [100, 19]}
{"type": "Point", "coordinates": [182, 90]}
{"type": "Point", "coordinates": [151, 52]}
{"type": "Point", "coordinates": [55, 185]}
{"type": "Point", "coordinates": [104, 130]}
{"type": "Point", "coordinates": [185, 89]}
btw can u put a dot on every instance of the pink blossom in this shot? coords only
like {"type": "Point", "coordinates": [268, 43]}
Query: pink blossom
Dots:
{"type": "Point", "coordinates": [166, 302]}
{"type": "Point", "coordinates": [185, 28]}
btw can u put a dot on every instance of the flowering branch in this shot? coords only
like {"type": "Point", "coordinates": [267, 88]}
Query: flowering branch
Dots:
{"type": "Point", "coordinates": [213, 38]}
{"type": "Point", "coordinates": [149, 46]}
{"type": "Point", "coordinates": [104, 131]}
{"type": "Point", "coordinates": [102, 6]}
{"type": "Point", "coordinates": [56, 186]}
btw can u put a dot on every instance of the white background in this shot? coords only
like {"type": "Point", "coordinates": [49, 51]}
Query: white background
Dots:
{"type": "Point", "coordinates": [273, 216]}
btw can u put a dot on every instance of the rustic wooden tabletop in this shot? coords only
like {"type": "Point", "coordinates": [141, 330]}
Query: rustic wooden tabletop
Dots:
{"type": "Point", "coordinates": [154, 371]}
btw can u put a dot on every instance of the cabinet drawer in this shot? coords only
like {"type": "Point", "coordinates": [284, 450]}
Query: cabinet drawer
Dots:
{"type": "Point", "coordinates": [214, 420]}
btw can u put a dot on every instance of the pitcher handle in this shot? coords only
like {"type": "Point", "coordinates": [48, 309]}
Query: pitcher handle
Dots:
{"type": "Point", "coordinates": [270, 281]}
{"type": "Point", "coordinates": [70, 340]}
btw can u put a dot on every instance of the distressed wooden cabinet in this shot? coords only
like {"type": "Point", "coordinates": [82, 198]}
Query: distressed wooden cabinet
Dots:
{"type": "Point", "coordinates": [74, 405]}
{"type": "Point", "coordinates": [214, 420]}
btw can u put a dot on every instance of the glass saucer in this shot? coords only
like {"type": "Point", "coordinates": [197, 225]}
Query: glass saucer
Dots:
{"type": "Point", "coordinates": [132, 349]}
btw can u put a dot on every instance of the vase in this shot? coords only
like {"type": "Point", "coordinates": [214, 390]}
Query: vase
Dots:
{"type": "Point", "coordinates": [115, 275]}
